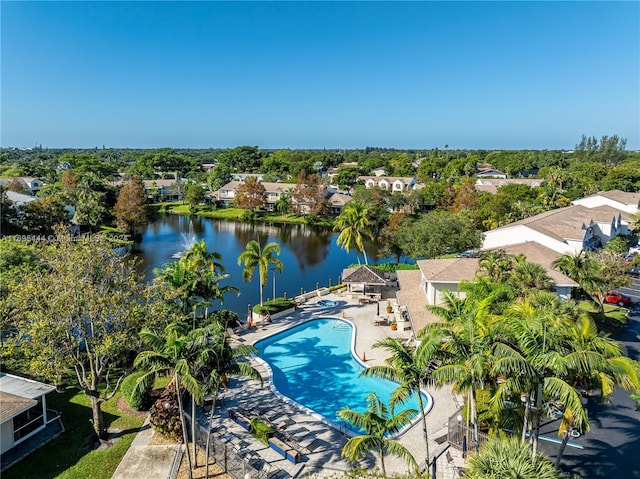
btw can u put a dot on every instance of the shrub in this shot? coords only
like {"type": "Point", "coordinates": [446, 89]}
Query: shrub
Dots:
{"type": "Point", "coordinates": [165, 415]}
{"type": "Point", "coordinates": [140, 400]}
{"type": "Point", "coordinates": [261, 430]}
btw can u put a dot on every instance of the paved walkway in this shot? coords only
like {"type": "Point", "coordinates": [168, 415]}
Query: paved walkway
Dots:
{"type": "Point", "coordinates": [145, 461]}
{"type": "Point", "coordinates": [323, 442]}
{"type": "Point", "coordinates": [324, 458]}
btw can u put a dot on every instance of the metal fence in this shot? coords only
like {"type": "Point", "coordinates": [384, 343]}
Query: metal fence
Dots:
{"type": "Point", "coordinates": [229, 457]}
{"type": "Point", "coordinates": [461, 436]}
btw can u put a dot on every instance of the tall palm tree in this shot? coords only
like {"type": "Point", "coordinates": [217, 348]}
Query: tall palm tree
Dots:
{"type": "Point", "coordinates": [262, 258]}
{"type": "Point", "coordinates": [527, 276]}
{"type": "Point", "coordinates": [469, 336]}
{"type": "Point", "coordinates": [411, 368]}
{"type": "Point", "coordinates": [509, 459]}
{"type": "Point", "coordinates": [179, 278]}
{"type": "Point", "coordinates": [354, 226]}
{"type": "Point", "coordinates": [176, 351]}
{"type": "Point", "coordinates": [377, 423]}
{"type": "Point", "coordinates": [584, 269]}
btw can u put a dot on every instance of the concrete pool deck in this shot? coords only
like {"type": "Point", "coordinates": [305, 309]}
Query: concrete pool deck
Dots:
{"type": "Point", "coordinates": [323, 457]}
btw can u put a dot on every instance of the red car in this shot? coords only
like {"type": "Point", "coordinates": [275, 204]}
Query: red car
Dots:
{"type": "Point", "coordinates": [613, 297]}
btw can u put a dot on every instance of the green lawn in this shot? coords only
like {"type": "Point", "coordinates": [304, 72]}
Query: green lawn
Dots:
{"type": "Point", "coordinates": [64, 457]}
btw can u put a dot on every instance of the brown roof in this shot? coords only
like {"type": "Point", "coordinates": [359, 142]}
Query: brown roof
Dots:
{"type": "Point", "coordinates": [413, 297]}
{"type": "Point", "coordinates": [338, 199]}
{"type": "Point", "coordinates": [450, 270]}
{"type": "Point", "coordinates": [566, 223]}
{"type": "Point", "coordinates": [622, 197]}
{"type": "Point", "coordinates": [536, 253]}
{"type": "Point", "coordinates": [364, 274]}
{"type": "Point", "coordinates": [12, 405]}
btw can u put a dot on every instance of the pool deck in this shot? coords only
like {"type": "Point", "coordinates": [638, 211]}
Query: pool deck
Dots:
{"type": "Point", "coordinates": [324, 443]}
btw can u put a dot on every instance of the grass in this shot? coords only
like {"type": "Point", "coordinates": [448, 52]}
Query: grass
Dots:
{"type": "Point", "coordinates": [238, 214]}
{"type": "Point", "coordinates": [65, 456]}
{"type": "Point", "coordinates": [609, 321]}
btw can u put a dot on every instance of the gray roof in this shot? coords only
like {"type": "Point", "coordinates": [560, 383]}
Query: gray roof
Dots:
{"type": "Point", "coordinates": [364, 274]}
{"type": "Point", "coordinates": [23, 387]}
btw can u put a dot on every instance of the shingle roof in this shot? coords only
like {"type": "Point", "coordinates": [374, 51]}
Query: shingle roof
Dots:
{"type": "Point", "coordinates": [566, 223]}
{"type": "Point", "coordinates": [411, 296]}
{"type": "Point", "coordinates": [364, 274]}
{"type": "Point", "coordinates": [621, 197]}
{"type": "Point", "coordinates": [449, 270]}
{"type": "Point", "coordinates": [12, 405]}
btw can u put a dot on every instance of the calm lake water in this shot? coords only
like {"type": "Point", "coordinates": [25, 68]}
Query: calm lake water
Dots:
{"type": "Point", "coordinates": [309, 255]}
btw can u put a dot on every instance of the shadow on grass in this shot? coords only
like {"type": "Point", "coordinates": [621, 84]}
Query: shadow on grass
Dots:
{"type": "Point", "coordinates": [69, 449]}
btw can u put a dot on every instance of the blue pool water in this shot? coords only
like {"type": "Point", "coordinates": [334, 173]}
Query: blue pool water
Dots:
{"type": "Point", "coordinates": [312, 364]}
{"type": "Point", "coordinates": [327, 303]}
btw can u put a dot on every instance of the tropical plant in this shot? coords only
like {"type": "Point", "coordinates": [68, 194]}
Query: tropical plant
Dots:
{"type": "Point", "coordinates": [262, 258]}
{"type": "Point", "coordinates": [377, 423]}
{"type": "Point", "coordinates": [411, 368]}
{"type": "Point", "coordinates": [353, 224]}
{"type": "Point", "coordinates": [509, 459]}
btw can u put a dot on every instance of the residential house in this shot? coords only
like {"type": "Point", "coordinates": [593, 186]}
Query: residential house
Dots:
{"type": "Point", "coordinates": [485, 170]}
{"type": "Point", "coordinates": [164, 190]}
{"type": "Point", "coordinates": [28, 184]}
{"type": "Point", "coordinates": [426, 286]}
{"type": "Point", "coordinates": [23, 411]}
{"type": "Point", "coordinates": [565, 230]}
{"type": "Point", "coordinates": [491, 185]}
{"type": "Point", "coordinates": [274, 192]}
{"type": "Point", "coordinates": [389, 183]}
{"type": "Point", "coordinates": [337, 202]}
{"type": "Point", "coordinates": [623, 201]}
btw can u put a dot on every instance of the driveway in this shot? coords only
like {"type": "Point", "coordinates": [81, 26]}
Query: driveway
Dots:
{"type": "Point", "coordinates": [612, 446]}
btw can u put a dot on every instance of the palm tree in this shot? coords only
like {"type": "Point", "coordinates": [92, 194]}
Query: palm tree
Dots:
{"type": "Point", "coordinates": [509, 459]}
{"type": "Point", "coordinates": [584, 269]}
{"type": "Point", "coordinates": [495, 264]}
{"type": "Point", "coordinates": [468, 337]}
{"type": "Point", "coordinates": [283, 204]}
{"type": "Point", "coordinates": [197, 257]}
{"type": "Point", "coordinates": [182, 280]}
{"type": "Point", "coordinates": [354, 226]}
{"type": "Point", "coordinates": [411, 368]}
{"type": "Point", "coordinates": [263, 258]}
{"type": "Point", "coordinates": [176, 351]}
{"type": "Point", "coordinates": [377, 423]}
{"type": "Point", "coordinates": [526, 276]}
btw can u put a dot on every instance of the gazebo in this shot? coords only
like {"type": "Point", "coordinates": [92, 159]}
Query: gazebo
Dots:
{"type": "Point", "coordinates": [365, 280]}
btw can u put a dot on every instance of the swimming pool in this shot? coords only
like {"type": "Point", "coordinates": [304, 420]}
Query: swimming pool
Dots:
{"type": "Point", "coordinates": [313, 364]}
{"type": "Point", "coordinates": [327, 303]}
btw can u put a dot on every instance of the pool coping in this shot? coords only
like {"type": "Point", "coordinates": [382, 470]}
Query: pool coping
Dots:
{"type": "Point", "coordinates": [311, 412]}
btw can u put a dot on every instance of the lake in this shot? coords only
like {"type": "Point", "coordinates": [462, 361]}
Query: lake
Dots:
{"type": "Point", "coordinates": [310, 255]}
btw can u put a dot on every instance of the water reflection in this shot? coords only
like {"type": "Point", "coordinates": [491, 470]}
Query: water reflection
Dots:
{"type": "Point", "coordinates": [309, 254]}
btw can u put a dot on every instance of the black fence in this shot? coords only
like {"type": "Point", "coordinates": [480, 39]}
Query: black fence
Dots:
{"type": "Point", "coordinates": [461, 436]}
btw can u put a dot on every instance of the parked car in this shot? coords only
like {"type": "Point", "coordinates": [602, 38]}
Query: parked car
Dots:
{"type": "Point", "coordinates": [615, 297]}
{"type": "Point", "coordinates": [634, 271]}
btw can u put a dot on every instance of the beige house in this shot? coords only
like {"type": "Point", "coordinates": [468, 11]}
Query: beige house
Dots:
{"type": "Point", "coordinates": [491, 185]}
{"type": "Point", "coordinates": [274, 192]}
{"type": "Point", "coordinates": [427, 286]}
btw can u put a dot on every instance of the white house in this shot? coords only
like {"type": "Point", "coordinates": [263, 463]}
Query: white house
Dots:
{"type": "Point", "coordinates": [620, 200]}
{"type": "Point", "coordinates": [565, 230]}
{"type": "Point", "coordinates": [29, 184]}
{"type": "Point", "coordinates": [389, 183]}
{"type": "Point", "coordinates": [491, 185]}
{"type": "Point", "coordinates": [23, 410]}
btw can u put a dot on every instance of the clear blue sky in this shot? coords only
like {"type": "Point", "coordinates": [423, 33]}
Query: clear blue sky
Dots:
{"type": "Point", "coordinates": [319, 74]}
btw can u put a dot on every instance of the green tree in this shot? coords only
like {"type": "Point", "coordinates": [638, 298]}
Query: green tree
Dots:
{"type": "Point", "coordinates": [42, 216]}
{"type": "Point", "coordinates": [194, 194]}
{"type": "Point", "coordinates": [131, 207]}
{"type": "Point", "coordinates": [411, 368]}
{"type": "Point", "coordinates": [262, 258]}
{"type": "Point", "coordinates": [80, 313]}
{"type": "Point", "coordinates": [437, 233]}
{"type": "Point", "coordinates": [377, 423]}
{"type": "Point", "coordinates": [353, 224]}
